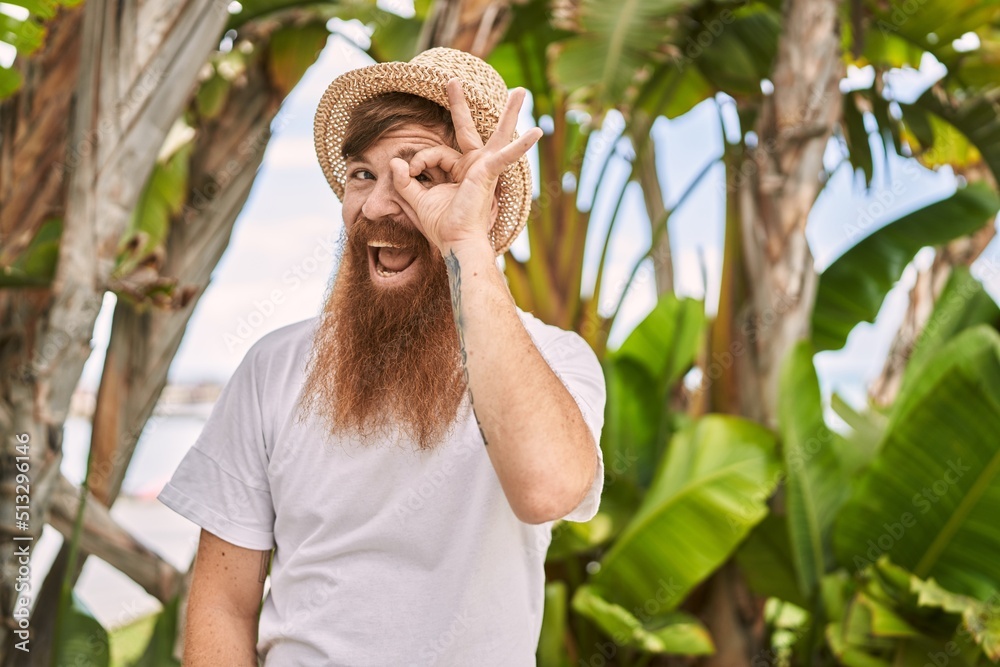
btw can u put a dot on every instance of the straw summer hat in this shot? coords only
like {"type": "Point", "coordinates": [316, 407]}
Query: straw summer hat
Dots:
{"type": "Point", "coordinates": [427, 75]}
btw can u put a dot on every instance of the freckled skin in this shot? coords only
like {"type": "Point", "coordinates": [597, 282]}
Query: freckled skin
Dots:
{"type": "Point", "coordinates": [226, 592]}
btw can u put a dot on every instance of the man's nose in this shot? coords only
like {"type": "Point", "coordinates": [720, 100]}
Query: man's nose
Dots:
{"type": "Point", "coordinates": [383, 200]}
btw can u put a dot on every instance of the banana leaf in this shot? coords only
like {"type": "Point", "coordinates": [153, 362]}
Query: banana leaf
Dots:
{"type": "Point", "coordinates": [931, 498]}
{"type": "Point", "coordinates": [853, 287]}
{"type": "Point", "coordinates": [710, 490]}
{"type": "Point", "coordinates": [675, 633]}
{"type": "Point", "coordinates": [816, 480]}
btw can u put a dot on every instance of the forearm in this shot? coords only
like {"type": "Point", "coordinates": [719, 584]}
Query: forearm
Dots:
{"type": "Point", "coordinates": [536, 438]}
{"type": "Point", "coordinates": [214, 636]}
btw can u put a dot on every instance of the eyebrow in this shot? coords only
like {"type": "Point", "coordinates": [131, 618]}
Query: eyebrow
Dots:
{"type": "Point", "coordinates": [405, 153]}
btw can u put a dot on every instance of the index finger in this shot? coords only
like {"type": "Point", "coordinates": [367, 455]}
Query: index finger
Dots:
{"type": "Point", "coordinates": [465, 130]}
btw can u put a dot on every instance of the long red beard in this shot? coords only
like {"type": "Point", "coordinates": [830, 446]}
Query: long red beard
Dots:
{"type": "Point", "coordinates": [386, 358]}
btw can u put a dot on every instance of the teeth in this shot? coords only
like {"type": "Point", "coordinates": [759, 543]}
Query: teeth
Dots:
{"type": "Point", "coordinates": [385, 273]}
{"type": "Point", "coordinates": [383, 244]}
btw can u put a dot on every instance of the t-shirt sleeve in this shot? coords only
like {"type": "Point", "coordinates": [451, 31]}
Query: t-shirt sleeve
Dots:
{"type": "Point", "coordinates": [221, 484]}
{"type": "Point", "coordinates": [572, 360]}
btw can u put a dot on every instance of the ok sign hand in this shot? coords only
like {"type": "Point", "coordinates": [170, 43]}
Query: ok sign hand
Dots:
{"type": "Point", "coordinates": [460, 212]}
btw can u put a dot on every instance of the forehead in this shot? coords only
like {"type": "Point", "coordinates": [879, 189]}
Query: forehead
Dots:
{"type": "Point", "coordinates": [402, 141]}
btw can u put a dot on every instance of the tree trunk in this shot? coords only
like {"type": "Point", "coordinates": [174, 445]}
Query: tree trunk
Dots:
{"type": "Point", "coordinates": [137, 63]}
{"type": "Point", "coordinates": [793, 129]}
{"type": "Point", "coordinates": [229, 148]}
{"type": "Point", "coordinates": [770, 263]}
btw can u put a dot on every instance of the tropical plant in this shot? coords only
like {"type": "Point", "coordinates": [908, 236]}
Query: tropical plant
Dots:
{"type": "Point", "coordinates": [772, 300]}
{"type": "Point", "coordinates": [726, 487]}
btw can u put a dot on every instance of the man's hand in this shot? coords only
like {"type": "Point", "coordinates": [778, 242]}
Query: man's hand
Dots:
{"type": "Point", "coordinates": [460, 212]}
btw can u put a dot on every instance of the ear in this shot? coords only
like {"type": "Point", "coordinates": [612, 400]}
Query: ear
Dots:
{"type": "Point", "coordinates": [495, 208]}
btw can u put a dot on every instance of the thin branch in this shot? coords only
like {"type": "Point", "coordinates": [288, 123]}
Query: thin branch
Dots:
{"type": "Point", "coordinates": [658, 229]}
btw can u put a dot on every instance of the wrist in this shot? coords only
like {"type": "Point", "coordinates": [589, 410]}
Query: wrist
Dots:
{"type": "Point", "coordinates": [477, 249]}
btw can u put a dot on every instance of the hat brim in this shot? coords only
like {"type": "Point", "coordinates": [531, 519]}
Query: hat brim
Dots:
{"type": "Point", "coordinates": [351, 88]}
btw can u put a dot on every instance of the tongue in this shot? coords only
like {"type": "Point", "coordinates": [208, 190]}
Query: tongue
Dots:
{"type": "Point", "coordinates": [395, 259]}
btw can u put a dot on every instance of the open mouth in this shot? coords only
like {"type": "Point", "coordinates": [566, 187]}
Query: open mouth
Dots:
{"type": "Point", "coordinates": [389, 263]}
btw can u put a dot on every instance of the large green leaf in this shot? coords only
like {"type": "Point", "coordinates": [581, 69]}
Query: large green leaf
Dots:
{"type": "Point", "coordinates": [291, 51]}
{"type": "Point", "coordinates": [640, 376]}
{"type": "Point", "coordinates": [521, 56]}
{"type": "Point", "coordinates": [765, 559]}
{"type": "Point", "coordinates": [742, 53]}
{"type": "Point", "coordinates": [667, 341]}
{"type": "Point", "coordinates": [963, 303]}
{"type": "Point", "coordinates": [82, 639]}
{"type": "Point", "coordinates": [861, 444]}
{"type": "Point", "coordinates": [979, 618]}
{"type": "Point", "coordinates": [614, 44]}
{"type": "Point", "coordinates": [817, 482]}
{"type": "Point", "coordinates": [931, 497]}
{"type": "Point", "coordinates": [852, 288]}
{"type": "Point", "coordinates": [675, 632]}
{"type": "Point", "coordinates": [632, 421]}
{"type": "Point", "coordinates": [710, 490]}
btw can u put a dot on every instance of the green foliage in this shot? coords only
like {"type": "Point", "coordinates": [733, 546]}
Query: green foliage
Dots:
{"type": "Point", "coordinates": [521, 57]}
{"type": "Point", "coordinates": [765, 559]}
{"type": "Point", "coordinates": [852, 288]}
{"type": "Point", "coordinates": [931, 496]}
{"type": "Point", "coordinates": [26, 35]}
{"type": "Point", "coordinates": [963, 303]}
{"type": "Point", "coordinates": [614, 42]}
{"type": "Point", "coordinates": [291, 51]}
{"type": "Point", "coordinates": [710, 489]}
{"type": "Point", "coordinates": [640, 376]}
{"type": "Point", "coordinates": [82, 639]}
{"type": "Point", "coordinates": [816, 480]}
{"type": "Point", "coordinates": [159, 650]}
{"type": "Point", "coordinates": [959, 132]}
{"type": "Point", "coordinates": [676, 633]}
{"type": "Point", "coordinates": [550, 641]}
{"type": "Point", "coordinates": [887, 615]}
{"type": "Point", "coordinates": [36, 265]}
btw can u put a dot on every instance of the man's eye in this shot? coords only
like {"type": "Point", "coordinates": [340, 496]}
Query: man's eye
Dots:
{"type": "Point", "coordinates": [424, 177]}
{"type": "Point", "coordinates": [363, 174]}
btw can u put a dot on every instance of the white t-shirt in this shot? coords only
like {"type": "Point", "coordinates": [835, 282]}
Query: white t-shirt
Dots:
{"type": "Point", "coordinates": [385, 555]}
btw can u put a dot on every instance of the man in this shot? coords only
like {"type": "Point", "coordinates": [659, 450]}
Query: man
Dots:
{"type": "Point", "coordinates": [408, 450]}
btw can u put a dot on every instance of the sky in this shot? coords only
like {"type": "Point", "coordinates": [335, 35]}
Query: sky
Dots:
{"type": "Point", "coordinates": [282, 254]}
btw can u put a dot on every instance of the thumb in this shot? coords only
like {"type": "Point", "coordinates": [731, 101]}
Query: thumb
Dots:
{"type": "Point", "coordinates": [405, 184]}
